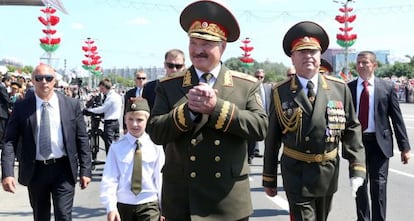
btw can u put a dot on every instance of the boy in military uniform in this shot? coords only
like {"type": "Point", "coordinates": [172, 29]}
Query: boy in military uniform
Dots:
{"type": "Point", "coordinates": [131, 181]}
{"type": "Point", "coordinates": [204, 116]}
{"type": "Point", "coordinates": [310, 114]}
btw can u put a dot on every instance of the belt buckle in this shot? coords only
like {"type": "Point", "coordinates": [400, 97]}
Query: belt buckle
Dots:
{"type": "Point", "coordinates": [49, 161]}
{"type": "Point", "coordinates": [318, 158]}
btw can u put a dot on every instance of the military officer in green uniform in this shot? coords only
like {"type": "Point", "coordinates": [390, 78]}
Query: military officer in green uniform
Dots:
{"type": "Point", "coordinates": [205, 116]}
{"type": "Point", "coordinates": [310, 114]}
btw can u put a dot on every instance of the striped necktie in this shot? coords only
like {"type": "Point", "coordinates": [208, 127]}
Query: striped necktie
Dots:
{"type": "Point", "coordinates": [45, 146]}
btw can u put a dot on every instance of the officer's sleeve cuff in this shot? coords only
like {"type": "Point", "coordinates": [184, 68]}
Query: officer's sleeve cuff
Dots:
{"type": "Point", "coordinates": [269, 181]}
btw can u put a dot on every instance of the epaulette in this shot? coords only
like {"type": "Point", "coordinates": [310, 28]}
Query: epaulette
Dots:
{"type": "Point", "coordinates": [334, 79]}
{"type": "Point", "coordinates": [173, 76]}
{"type": "Point", "coordinates": [243, 76]}
{"type": "Point", "coordinates": [278, 84]}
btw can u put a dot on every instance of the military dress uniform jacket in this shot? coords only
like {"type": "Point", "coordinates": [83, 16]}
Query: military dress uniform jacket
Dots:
{"type": "Point", "coordinates": [205, 175]}
{"type": "Point", "coordinates": [312, 132]}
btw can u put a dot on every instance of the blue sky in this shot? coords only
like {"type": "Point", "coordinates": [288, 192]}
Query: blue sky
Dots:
{"type": "Point", "coordinates": [137, 33]}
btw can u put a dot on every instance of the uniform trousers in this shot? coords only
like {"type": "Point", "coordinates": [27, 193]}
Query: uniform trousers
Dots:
{"type": "Point", "coordinates": [54, 179]}
{"type": "Point", "coordinates": [110, 133]}
{"type": "Point", "coordinates": [141, 212]}
{"type": "Point", "coordinates": [377, 175]}
{"type": "Point", "coordinates": [309, 208]}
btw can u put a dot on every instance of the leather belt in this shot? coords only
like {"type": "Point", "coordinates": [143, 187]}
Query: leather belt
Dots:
{"type": "Point", "coordinates": [310, 157]}
{"type": "Point", "coordinates": [50, 161]}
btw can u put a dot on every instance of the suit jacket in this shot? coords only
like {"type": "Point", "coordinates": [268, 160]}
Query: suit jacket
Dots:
{"type": "Point", "coordinates": [206, 172]}
{"type": "Point", "coordinates": [268, 90]}
{"type": "Point", "coordinates": [386, 107]}
{"type": "Point", "coordinates": [293, 122]}
{"type": "Point", "coordinates": [5, 103]}
{"type": "Point", "coordinates": [23, 125]}
{"type": "Point", "coordinates": [148, 92]}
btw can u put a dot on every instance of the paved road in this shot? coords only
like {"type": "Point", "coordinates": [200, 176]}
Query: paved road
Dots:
{"type": "Point", "coordinates": [15, 207]}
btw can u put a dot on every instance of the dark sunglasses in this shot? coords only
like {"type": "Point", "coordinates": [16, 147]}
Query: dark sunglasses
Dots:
{"type": "Point", "coordinates": [39, 78]}
{"type": "Point", "coordinates": [141, 78]}
{"type": "Point", "coordinates": [171, 65]}
{"type": "Point", "coordinates": [259, 77]}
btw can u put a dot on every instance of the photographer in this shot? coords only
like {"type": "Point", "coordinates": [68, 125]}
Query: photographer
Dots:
{"type": "Point", "coordinates": [112, 110]}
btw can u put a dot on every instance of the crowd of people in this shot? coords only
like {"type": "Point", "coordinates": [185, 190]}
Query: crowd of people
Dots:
{"type": "Point", "coordinates": [189, 137]}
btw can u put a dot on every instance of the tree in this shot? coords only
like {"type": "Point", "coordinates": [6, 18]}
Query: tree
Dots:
{"type": "Point", "coordinates": [274, 71]}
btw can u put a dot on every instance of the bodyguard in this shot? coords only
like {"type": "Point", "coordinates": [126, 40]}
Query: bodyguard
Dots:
{"type": "Point", "coordinates": [310, 114]}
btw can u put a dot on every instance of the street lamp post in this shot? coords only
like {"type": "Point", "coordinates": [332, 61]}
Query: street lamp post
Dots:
{"type": "Point", "coordinates": [345, 39]}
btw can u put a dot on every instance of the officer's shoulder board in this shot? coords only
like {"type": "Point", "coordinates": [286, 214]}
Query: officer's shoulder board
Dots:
{"type": "Point", "coordinates": [173, 76]}
{"type": "Point", "coordinates": [243, 76]}
{"type": "Point", "coordinates": [334, 79]}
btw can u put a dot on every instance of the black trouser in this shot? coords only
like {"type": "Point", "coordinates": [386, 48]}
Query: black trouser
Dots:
{"type": "Point", "coordinates": [252, 148]}
{"type": "Point", "coordinates": [377, 175]}
{"type": "Point", "coordinates": [142, 212]}
{"type": "Point", "coordinates": [52, 180]}
{"type": "Point", "coordinates": [110, 133]}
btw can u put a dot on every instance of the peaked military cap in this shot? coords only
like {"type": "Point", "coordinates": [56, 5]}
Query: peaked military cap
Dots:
{"type": "Point", "coordinates": [325, 66]}
{"type": "Point", "coordinates": [305, 35]}
{"type": "Point", "coordinates": [210, 21]}
{"type": "Point", "coordinates": [138, 104]}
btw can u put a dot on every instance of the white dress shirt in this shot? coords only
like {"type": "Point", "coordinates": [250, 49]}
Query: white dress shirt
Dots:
{"type": "Point", "coordinates": [56, 136]}
{"type": "Point", "coordinates": [360, 88]}
{"type": "Point", "coordinates": [215, 72]}
{"type": "Point", "coordinates": [111, 107]}
{"type": "Point", "coordinates": [116, 178]}
{"type": "Point", "coordinates": [304, 82]}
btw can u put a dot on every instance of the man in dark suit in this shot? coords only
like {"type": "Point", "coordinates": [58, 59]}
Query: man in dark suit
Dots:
{"type": "Point", "coordinates": [204, 117]}
{"type": "Point", "coordinates": [49, 162]}
{"type": "Point", "coordinates": [140, 80]}
{"type": "Point", "coordinates": [381, 106]}
{"type": "Point", "coordinates": [5, 105]}
{"type": "Point", "coordinates": [174, 61]}
{"type": "Point", "coordinates": [265, 90]}
{"type": "Point", "coordinates": [310, 114]}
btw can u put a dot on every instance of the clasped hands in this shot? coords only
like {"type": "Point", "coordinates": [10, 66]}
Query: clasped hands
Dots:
{"type": "Point", "coordinates": [202, 99]}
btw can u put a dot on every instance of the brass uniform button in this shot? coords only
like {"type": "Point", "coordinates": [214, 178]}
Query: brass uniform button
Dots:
{"type": "Point", "coordinates": [218, 175]}
{"type": "Point", "coordinates": [307, 139]}
{"type": "Point", "coordinates": [193, 142]}
{"type": "Point", "coordinates": [193, 174]}
{"type": "Point", "coordinates": [217, 142]}
{"type": "Point", "coordinates": [193, 158]}
{"type": "Point", "coordinates": [217, 158]}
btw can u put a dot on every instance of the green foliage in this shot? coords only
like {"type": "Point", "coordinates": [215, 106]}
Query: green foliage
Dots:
{"type": "Point", "coordinates": [25, 69]}
{"type": "Point", "coordinates": [274, 71]}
